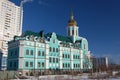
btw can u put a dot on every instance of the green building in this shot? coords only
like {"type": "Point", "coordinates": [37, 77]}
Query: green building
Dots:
{"type": "Point", "coordinates": [39, 51]}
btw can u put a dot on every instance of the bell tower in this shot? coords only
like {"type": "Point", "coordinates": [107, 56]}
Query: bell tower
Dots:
{"type": "Point", "coordinates": [72, 28]}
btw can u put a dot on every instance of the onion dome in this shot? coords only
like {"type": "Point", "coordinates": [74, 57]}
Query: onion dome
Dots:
{"type": "Point", "coordinates": [72, 22]}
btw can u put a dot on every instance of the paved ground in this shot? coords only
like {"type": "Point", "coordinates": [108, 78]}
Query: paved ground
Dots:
{"type": "Point", "coordinates": [67, 77]}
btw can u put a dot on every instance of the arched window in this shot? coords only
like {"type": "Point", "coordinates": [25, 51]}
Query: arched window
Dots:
{"type": "Point", "coordinates": [27, 52]}
{"type": "Point", "coordinates": [31, 52]}
{"type": "Point", "coordinates": [39, 53]}
{"type": "Point", "coordinates": [72, 32]}
{"type": "Point", "coordinates": [38, 64]}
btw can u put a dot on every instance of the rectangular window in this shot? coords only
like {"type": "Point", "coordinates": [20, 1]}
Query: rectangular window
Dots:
{"type": "Point", "coordinates": [74, 65]}
{"type": "Point", "coordinates": [14, 64]}
{"type": "Point", "coordinates": [39, 53]}
{"type": "Point", "coordinates": [78, 65]}
{"type": "Point", "coordinates": [11, 53]}
{"type": "Point", "coordinates": [63, 65]}
{"type": "Point", "coordinates": [26, 64]}
{"type": "Point", "coordinates": [43, 54]}
{"type": "Point", "coordinates": [56, 60]}
{"type": "Point", "coordinates": [31, 64]}
{"type": "Point", "coordinates": [63, 55]}
{"type": "Point", "coordinates": [76, 56]}
{"type": "Point", "coordinates": [68, 56]}
{"type": "Point", "coordinates": [27, 52]}
{"type": "Point", "coordinates": [56, 49]}
{"type": "Point", "coordinates": [10, 64]}
{"type": "Point", "coordinates": [50, 59]}
{"type": "Point", "coordinates": [15, 52]}
{"type": "Point", "coordinates": [43, 64]}
{"type": "Point", "coordinates": [31, 52]}
{"type": "Point", "coordinates": [53, 49]}
{"type": "Point", "coordinates": [68, 65]}
{"type": "Point", "coordinates": [50, 49]}
{"type": "Point", "coordinates": [53, 59]}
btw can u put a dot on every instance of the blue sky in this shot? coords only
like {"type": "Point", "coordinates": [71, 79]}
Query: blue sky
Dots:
{"type": "Point", "coordinates": [98, 21]}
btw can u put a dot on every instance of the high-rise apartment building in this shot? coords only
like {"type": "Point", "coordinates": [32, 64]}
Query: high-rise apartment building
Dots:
{"type": "Point", "coordinates": [10, 23]}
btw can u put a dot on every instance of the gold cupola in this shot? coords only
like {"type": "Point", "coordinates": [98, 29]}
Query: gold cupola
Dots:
{"type": "Point", "coordinates": [72, 22]}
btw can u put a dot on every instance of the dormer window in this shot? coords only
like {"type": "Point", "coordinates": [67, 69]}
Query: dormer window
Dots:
{"type": "Point", "coordinates": [54, 41]}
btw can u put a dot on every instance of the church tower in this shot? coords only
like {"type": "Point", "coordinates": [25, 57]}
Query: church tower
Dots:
{"type": "Point", "coordinates": [72, 28]}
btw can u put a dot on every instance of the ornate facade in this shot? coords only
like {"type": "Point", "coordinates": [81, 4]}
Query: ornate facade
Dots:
{"type": "Point", "coordinates": [39, 51]}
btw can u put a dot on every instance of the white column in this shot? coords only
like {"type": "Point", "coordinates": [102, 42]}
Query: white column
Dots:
{"type": "Point", "coordinates": [61, 67]}
{"type": "Point", "coordinates": [81, 57]}
{"type": "Point", "coordinates": [20, 65]}
{"type": "Point", "coordinates": [47, 55]}
{"type": "Point", "coordinates": [21, 54]}
{"type": "Point", "coordinates": [36, 51]}
{"type": "Point", "coordinates": [21, 49]}
{"type": "Point", "coordinates": [71, 57]}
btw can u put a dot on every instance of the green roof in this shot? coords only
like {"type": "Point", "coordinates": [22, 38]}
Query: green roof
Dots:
{"type": "Point", "coordinates": [28, 33]}
{"type": "Point", "coordinates": [64, 38]}
{"type": "Point", "coordinates": [59, 37]}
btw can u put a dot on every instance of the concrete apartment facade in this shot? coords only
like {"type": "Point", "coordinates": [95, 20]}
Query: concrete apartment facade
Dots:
{"type": "Point", "coordinates": [10, 24]}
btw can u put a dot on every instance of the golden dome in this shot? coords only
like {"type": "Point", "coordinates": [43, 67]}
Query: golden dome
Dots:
{"type": "Point", "coordinates": [72, 22]}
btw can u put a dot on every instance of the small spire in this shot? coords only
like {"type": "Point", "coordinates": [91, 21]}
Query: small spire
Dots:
{"type": "Point", "coordinates": [72, 22]}
{"type": "Point", "coordinates": [71, 15]}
